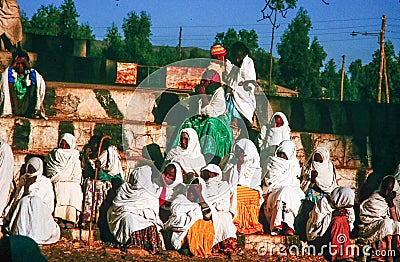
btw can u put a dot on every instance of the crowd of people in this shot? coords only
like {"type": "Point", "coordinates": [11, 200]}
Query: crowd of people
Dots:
{"type": "Point", "coordinates": [211, 187]}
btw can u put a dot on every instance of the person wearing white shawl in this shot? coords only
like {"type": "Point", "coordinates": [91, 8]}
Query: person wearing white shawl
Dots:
{"type": "Point", "coordinates": [272, 134]}
{"type": "Point", "coordinates": [109, 167]}
{"type": "Point", "coordinates": [65, 172]}
{"type": "Point", "coordinates": [241, 78]}
{"type": "Point", "coordinates": [218, 195]}
{"type": "Point", "coordinates": [188, 153]}
{"type": "Point", "coordinates": [319, 173]}
{"type": "Point", "coordinates": [379, 222]}
{"type": "Point", "coordinates": [6, 179]}
{"type": "Point", "coordinates": [331, 219]}
{"type": "Point", "coordinates": [166, 185]}
{"type": "Point", "coordinates": [32, 207]}
{"type": "Point", "coordinates": [243, 174]}
{"type": "Point", "coordinates": [133, 217]}
{"type": "Point", "coordinates": [281, 190]}
{"type": "Point", "coordinates": [190, 220]}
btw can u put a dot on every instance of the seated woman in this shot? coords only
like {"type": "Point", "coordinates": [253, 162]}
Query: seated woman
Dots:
{"type": "Point", "coordinates": [218, 195]}
{"type": "Point", "coordinates": [212, 123]}
{"type": "Point", "coordinates": [272, 134]}
{"type": "Point", "coordinates": [318, 181]}
{"type": "Point", "coordinates": [65, 172]}
{"type": "Point", "coordinates": [281, 189]}
{"type": "Point", "coordinates": [188, 153]}
{"type": "Point", "coordinates": [190, 222]}
{"type": "Point", "coordinates": [331, 221]}
{"type": "Point", "coordinates": [380, 226]}
{"type": "Point", "coordinates": [133, 217]}
{"type": "Point", "coordinates": [32, 206]}
{"type": "Point", "coordinates": [166, 185]}
{"type": "Point", "coordinates": [109, 167]}
{"type": "Point", "coordinates": [243, 173]}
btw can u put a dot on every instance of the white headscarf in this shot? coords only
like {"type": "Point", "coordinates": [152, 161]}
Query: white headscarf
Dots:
{"type": "Point", "coordinates": [271, 135]}
{"type": "Point", "coordinates": [135, 207]}
{"type": "Point", "coordinates": [170, 188]}
{"type": "Point", "coordinates": [111, 161]}
{"type": "Point", "coordinates": [283, 172]}
{"type": "Point", "coordinates": [191, 159]}
{"type": "Point", "coordinates": [250, 173]}
{"type": "Point", "coordinates": [326, 178]}
{"type": "Point", "coordinates": [64, 164]}
{"type": "Point", "coordinates": [216, 188]}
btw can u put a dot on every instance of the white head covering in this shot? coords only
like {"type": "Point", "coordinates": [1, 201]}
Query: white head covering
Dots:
{"type": "Point", "coordinates": [190, 159]}
{"type": "Point", "coordinates": [37, 164]}
{"type": "Point", "coordinates": [250, 172]}
{"type": "Point", "coordinates": [342, 197]}
{"type": "Point", "coordinates": [271, 135]}
{"type": "Point", "coordinates": [288, 147]}
{"type": "Point", "coordinates": [326, 178]}
{"type": "Point", "coordinates": [140, 178]}
{"type": "Point", "coordinates": [178, 175]}
{"type": "Point", "coordinates": [70, 139]}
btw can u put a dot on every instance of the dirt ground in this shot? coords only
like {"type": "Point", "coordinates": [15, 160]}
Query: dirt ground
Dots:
{"type": "Point", "coordinates": [66, 250]}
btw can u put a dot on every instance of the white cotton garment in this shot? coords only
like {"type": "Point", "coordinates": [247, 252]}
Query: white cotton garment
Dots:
{"type": "Point", "coordinates": [31, 215]}
{"type": "Point", "coordinates": [320, 216]}
{"type": "Point", "coordinates": [190, 159]}
{"type": "Point", "coordinates": [243, 94]}
{"type": "Point", "coordinates": [135, 207]}
{"type": "Point", "coordinates": [65, 172]}
{"type": "Point", "coordinates": [6, 177]}
{"type": "Point", "coordinates": [5, 98]}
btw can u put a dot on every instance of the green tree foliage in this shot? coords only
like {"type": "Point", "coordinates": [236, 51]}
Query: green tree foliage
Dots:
{"type": "Point", "coordinates": [299, 61]}
{"type": "Point", "coordinates": [57, 21]}
{"type": "Point", "coordinates": [317, 56]}
{"type": "Point", "coordinates": [45, 21]}
{"type": "Point", "coordinates": [68, 19]}
{"type": "Point", "coordinates": [330, 81]}
{"type": "Point", "coordinates": [137, 34]}
{"type": "Point", "coordinates": [113, 43]}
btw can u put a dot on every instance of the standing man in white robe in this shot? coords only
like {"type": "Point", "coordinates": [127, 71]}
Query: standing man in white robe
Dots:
{"type": "Point", "coordinates": [65, 172]}
{"type": "Point", "coordinates": [6, 179]}
{"type": "Point", "coordinates": [241, 78]}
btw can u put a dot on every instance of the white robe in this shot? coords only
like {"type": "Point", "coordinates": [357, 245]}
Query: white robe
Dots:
{"type": "Point", "coordinates": [5, 98]}
{"type": "Point", "coordinates": [375, 220]}
{"type": "Point", "coordinates": [216, 105]}
{"type": "Point", "coordinates": [271, 136]}
{"type": "Point", "coordinates": [218, 195]}
{"type": "Point", "coordinates": [65, 172]}
{"type": "Point", "coordinates": [135, 207]}
{"type": "Point", "coordinates": [250, 172]}
{"type": "Point", "coordinates": [282, 187]}
{"type": "Point", "coordinates": [321, 216]}
{"type": "Point", "coordinates": [190, 159]}
{"type": "Point", "coordinates": [6, 177]}
{"type": "Point", "coordinates": [243, 95]}
{"type": "Point", "coordinates": [32, 215]}
{"type": "Point", "coordinates": [326, 178]}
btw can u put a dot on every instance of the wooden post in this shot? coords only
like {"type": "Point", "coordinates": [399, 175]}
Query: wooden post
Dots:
{"type": "Point", "coordinates": [342, 79]}
{"type": "Point", "coordinates": [180, 42]}
{"type": "Point", "coordinates": [271, 47]}
{"type": "Point", "coordinates": [386, 80]}
{"type": "Point", "coordinates": [382, 54]}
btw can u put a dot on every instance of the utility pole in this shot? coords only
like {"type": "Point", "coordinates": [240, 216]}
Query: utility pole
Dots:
{"type": "Point", "coordinates": [180, 42]}
{"type": "Point", "coordinates": [342, 79]}
{"type": "Point", "coordinates": [386, 80]}
{"type": "Point", "coordinates": [382, 55]}
{"type": "Point", "coordinates": [271, 47]}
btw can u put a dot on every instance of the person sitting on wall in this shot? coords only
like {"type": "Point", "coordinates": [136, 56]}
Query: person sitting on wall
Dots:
{"type": "Point", "coordinates": [22, 89]}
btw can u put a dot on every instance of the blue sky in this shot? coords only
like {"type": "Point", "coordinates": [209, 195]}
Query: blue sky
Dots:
{"type": "Point", "coordinates": [201, 20]}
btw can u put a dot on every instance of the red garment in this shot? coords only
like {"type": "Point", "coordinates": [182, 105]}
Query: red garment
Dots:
{"type": "Point", "coordinates": [340, 230]}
